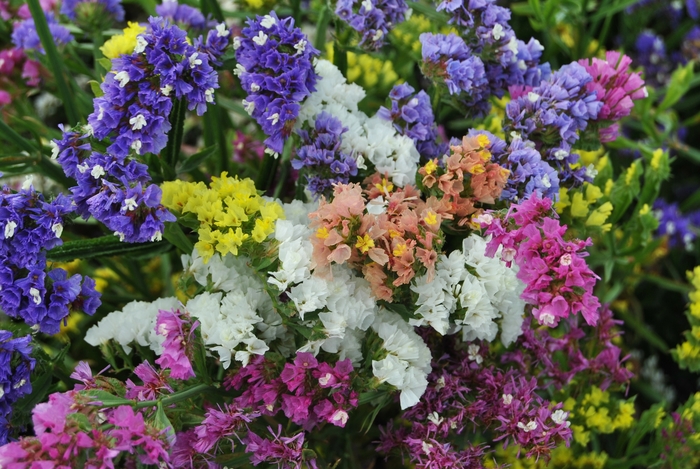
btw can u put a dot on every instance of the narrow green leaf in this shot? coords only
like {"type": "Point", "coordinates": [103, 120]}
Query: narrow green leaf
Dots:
{"type": "Point", "coordinates": [427, 11]}
{"type": "Point", "coordinates": [175, 236]}
{"type": "Point", "coordinates": [324, 17]}
{"type": "Point", "coordinates": [105, 246]}
{"type": "Point", "coordinates": [106, 399]}
{"type": "Point", "coordinates": [55, 61]}
{"type": "Point", "coordinates": [16, 139]}
{"type": "Point", "coordinates": [610, 8]}
{"type": "Point", "coordinates": [197, 159]}
{"type": "Point", "coordinates": [162, 422]}
{"type": "Point", "coordinates": [678, 86]}
{"type": "Point", "coordinates": [212, 6]}
{"type": "Point", "coordinates": [95, 87]}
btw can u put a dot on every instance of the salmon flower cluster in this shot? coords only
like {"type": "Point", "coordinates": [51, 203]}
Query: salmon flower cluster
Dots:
{"type": "Point", "coordinates": [387, 233]}
{"type": "Point", "coordinates": [467, 179]}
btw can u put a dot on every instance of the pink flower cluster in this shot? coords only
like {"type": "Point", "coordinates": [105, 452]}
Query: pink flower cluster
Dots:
{"type": "Point", "coordinates": [390, 238]}
{"type": "Point", "coordinates": [464, 390]}
{"type": "Point", "coordinates": [558, 280]}
{"type": "Point", "coordinates": [616, 87]}
{"type": "Point", "coordinates": [71, 427]}
{"type": "Point", "coordinates": [178, 330]}
{"type": "Point", "coordinates": [468, 178]}
{"type": "Point", "coordinates": [308, 392]}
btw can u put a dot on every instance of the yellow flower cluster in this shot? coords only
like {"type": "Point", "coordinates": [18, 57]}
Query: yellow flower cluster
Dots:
{"type": "Point", "coordinates": [406, 34]}
{"type": "Point", "coordinates": [230, 212]}
{"type": "Point", "coordinates": [688, 353]}
{"type": "Point", "coordinates": [367, 71]}
{"type": "Point", "coordinates": [561, 457]}
{"type": "Point", "coordinates": [580, 201]}
{"type": "Point", "coordinates": [598, 413]}
{"type": "Point", "coordinates": [122, 43]}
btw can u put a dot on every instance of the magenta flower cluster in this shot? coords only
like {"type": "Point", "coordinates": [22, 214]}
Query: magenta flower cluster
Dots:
{"type": "Point", "coordinates": [558, 281]}
{"type": "Point", "coordinates": [178, 330]}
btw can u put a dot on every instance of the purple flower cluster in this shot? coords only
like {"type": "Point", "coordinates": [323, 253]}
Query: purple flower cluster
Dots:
{"type": "Point", "coordinates": [184, 15]}
{"type": "Point", "coordinates": [75, 9]}
{"type": "Point", "coordinates": [553, 114]}
{"type": "Point", "coordinates": [373, 19]}
{"type": "Point", "coordinates": [592, 357]}
{"type": "Point", "coordinates": [112, 189]}
{"type": "Point", "coordinates": [691, 44]}
{"type": "Point", "coordinates": [31, 226]}
{"type": "Point", "coordinates": [154, 384]}
{"type": "Point", "coordinates": [274, 65]}
{"type": "Point", "coordinates": [449, 59]}
{"type": "Point", "coordinates": [464, 389]}
{"type": "Point", "coordinates": [16, 365]}
{"type": "Point", "coordinates": [558, 282]}
{"type": "Point", "coordinates": [139, 91]}
{"type": "Point", "coordinates": [412, 116]}
{"type": "Point", "coordinates": [506, 60]}
{"type": "Point", "coordinates": [529, 173]}
{"type": "Point", "coordinates": [62, 440]}
{"type": "Point", "coordinates": [320, 159]}
{"type": "Point", "coordinates": [25, 36]}
{"type": "Point", "coordinates": [681, 229]}
{"type": "Point", "coordinates": [651, 55]}
{"type": "Point", "coordinates": [178, 330]}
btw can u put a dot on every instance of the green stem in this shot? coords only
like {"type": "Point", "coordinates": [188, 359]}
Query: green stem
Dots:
{"type": "Point", "coordinates": [11, 136]}
{"type": "Point", "coordinates": [97, 42]}
{"type": "Point", "coordinates": [172, 149]}
{"type": "Point", "coordinates": [175, 397]}
{"type": "Point", "coordinates": [267, 172]}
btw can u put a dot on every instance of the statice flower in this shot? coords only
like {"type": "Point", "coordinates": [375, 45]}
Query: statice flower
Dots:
{"type": "Point", "coordinates": [320, 159]}
{"type": "Point", "coordinates": [16, 365]}
{"type": "Point", "coordinates": [133, 111]}
{"type": "Point", "coordinates": [275, 68]}
{"type": "Point", "coordinates": [78, 10]}
{"type": "Point", "coordinates": [615, 87]}
{"type": "Point", "coordinates": [280, 450]}
{"type": "Point", "coordinates": [553, 115]}
{"type": "Point", "coordinates": [467, 390]}
{"type": "Point", "coordinates": [506, 60]}
{"type": "Point", "coordinates": [178, 346]}
{"type": "Point", "coordinates": [25, 36]}
{"type": "Point", "coordinates": [62, 438]}
{"type": "Point", "coordinates": [412, 116]}
{"type": "Point", "coordinates": [681, 229]}
{"type": "Point", "coordinates": [651, 55]}
{"type": "Point", "coordinates": [373, 19]}
{"type": "Point", "coordinates": [529, 173]}
{"type": "Point", "coordinates": [185, 15]}
{"type": "Point", "coordinates": [558, 281]}
{"type": "Point", "coordinates": [691, 44]}
{"type": "Point", "coordinates": [154, 384]}
{"type": "Point", "coordinates": [447, 58]}
{"type": "Point", "coordinates": [31, 226]}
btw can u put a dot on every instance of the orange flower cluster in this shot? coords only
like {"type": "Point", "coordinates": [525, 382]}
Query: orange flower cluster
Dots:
{"type": "Point", "coordinates": [484, 182]}
{"type": "Point", "coordinates": [388, 234]}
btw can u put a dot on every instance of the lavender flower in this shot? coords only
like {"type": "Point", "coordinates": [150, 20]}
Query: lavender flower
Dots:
{"type": "Point", "coordinates": [184, 15]}
{"type": "Point", "coordinates": [16, 365]}
{"type": "Point", "coordinates": [25, 36]}
{"type": "Point", "coordinates": [373, 19]}
{"type": "Point", "coordinates": [651, 55]}
{"type": "Point", "coordinates": [30, 227]}
{"type": "Point", "coordinates": [137, 92]}
{"type": "Point", "coordinates": [553, 114]}
{"type": "Point", "coordinates": [274, 65]}
{"type": "Point", "coordinates": [178, 331]}
{"type": "Point", "coordinates": [78, 10]}
{"type": "Point", "coordinates": [320, 159]}
{"type": "Point", "coordinates": [681, 229]}
{"type": "Point", "coordinates": [412, 116]}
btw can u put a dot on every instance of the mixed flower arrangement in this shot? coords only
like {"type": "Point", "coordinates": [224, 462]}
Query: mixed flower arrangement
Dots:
{"type": "Point", "coordinates": [348, 235]}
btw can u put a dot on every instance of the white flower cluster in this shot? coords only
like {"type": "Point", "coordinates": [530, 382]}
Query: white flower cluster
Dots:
{"type": "Point", "coordinates": [407, 363]}
{"type": "Point", "coordinates": [135, 323]}
{"type": "Point", "coordinates": [236, 315]}
{"type": "Point", "coordinates": [469, 293]}
{"type": "Point", "coordinates": [368, 138]}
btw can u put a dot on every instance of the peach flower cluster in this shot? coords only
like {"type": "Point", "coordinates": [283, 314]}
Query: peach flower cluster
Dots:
{"type": "Point", "coordinates": [467, 178]}
{"type": "Point", "coordinates": [387, 233]}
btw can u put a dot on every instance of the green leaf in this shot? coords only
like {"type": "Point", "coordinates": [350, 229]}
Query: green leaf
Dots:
{"type": "Point", "coordinates": [678, 86]}
{"type": "Point", "coordinates": [234, 459]}
{"type": "Point", "coordinates": [197, 159]}
{"type": "Point", "coordinates": [162, 422]}
{"type": "Point", "coordinates": [55, 61]}
{"type": "Point", "coordinates": [175, 236]}
{"type": "Point", "coordinates": [324, 18]}
{"type": "Point", "coordinates": [106, 63]}
{"type": "Point", "coordinates": [106, 399]}
{"type": "Point", "coordinates": [13, 137]}
{"type": "Point", "coordinates": [104, 246]}
{"type": "Point", "coordinates": [95, 87]}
